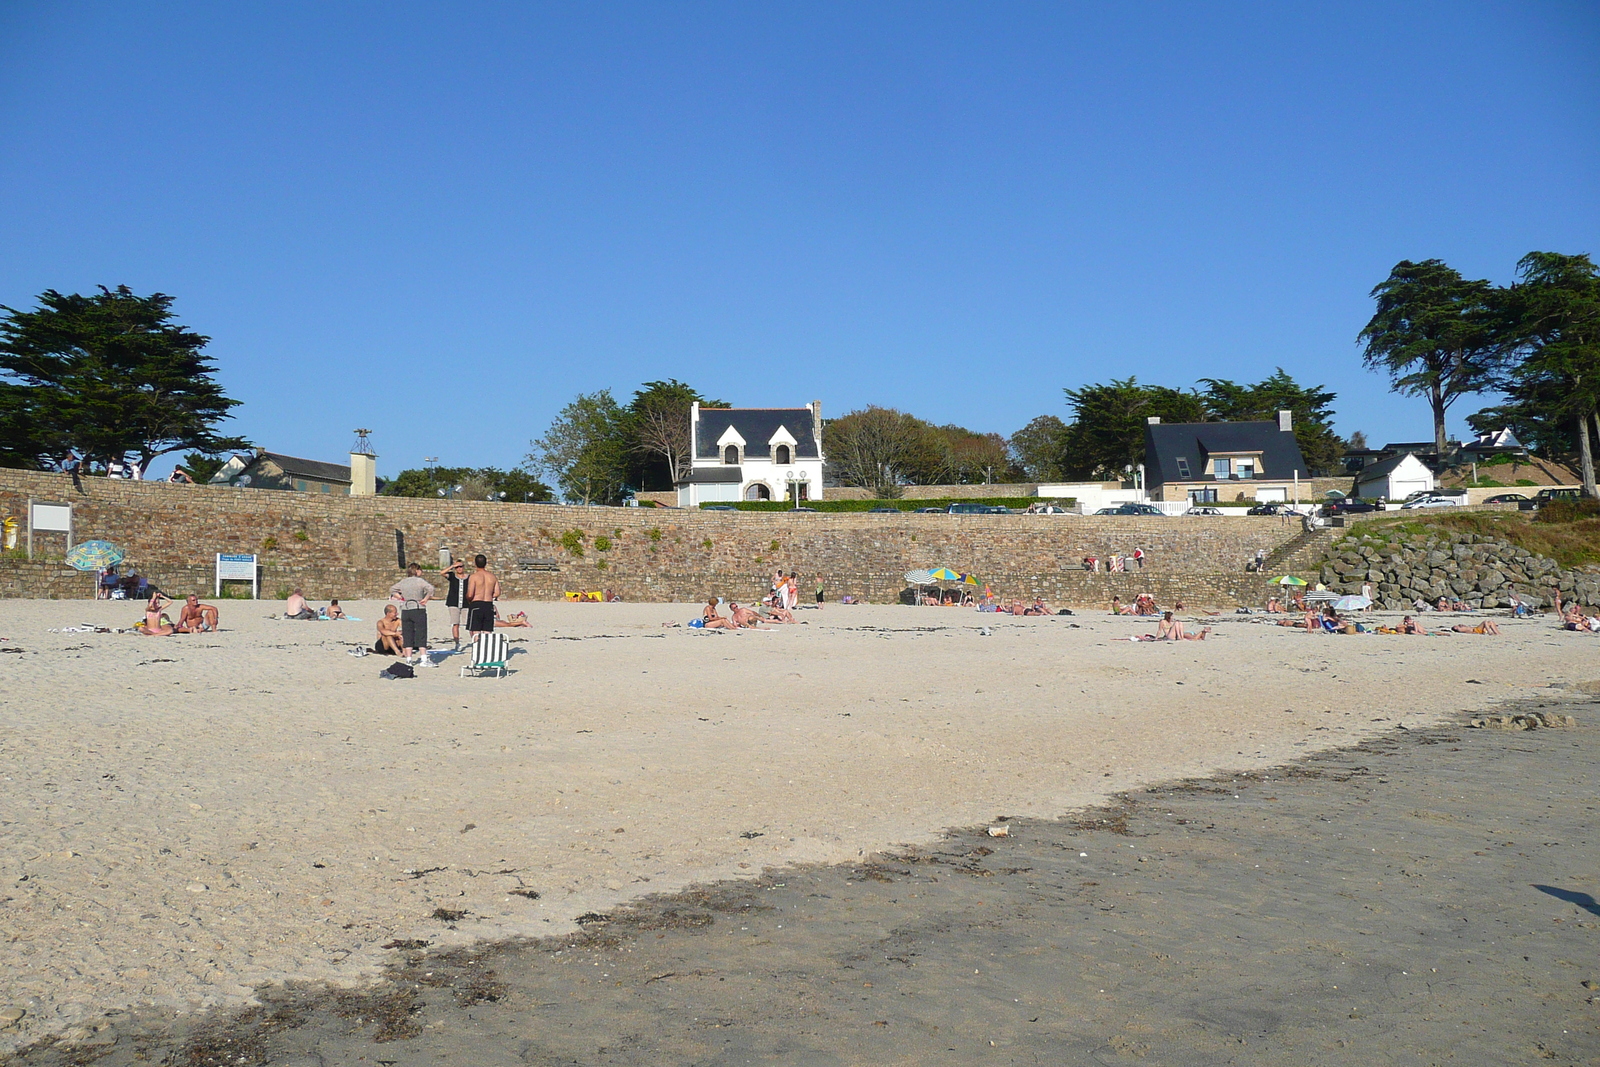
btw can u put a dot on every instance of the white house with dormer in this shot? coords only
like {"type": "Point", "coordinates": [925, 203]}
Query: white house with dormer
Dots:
{"type": "Point", "coordinates": [753, 454]}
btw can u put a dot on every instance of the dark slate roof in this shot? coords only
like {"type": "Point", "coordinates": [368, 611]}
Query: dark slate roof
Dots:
{"type": "Point", "coordinates": [714, 475]}
{"type": "Point", "coordinates": [296, 467]}
{"type": "Point", "coordinates": [756, 426]}
{"type": "Point", "coordinates": [1195, 441]}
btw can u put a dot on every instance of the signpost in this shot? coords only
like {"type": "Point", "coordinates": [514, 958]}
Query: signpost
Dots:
{"type": "Point", "coordinates": [238, 567]}
{"type": "Point", "coordinates": [49, 517]}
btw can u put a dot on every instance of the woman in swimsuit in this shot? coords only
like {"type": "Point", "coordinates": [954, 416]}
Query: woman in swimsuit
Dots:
{"type": "Point", "coordinates": [155, 623]}
{"type": "Point", "coordinates": [712, 619]}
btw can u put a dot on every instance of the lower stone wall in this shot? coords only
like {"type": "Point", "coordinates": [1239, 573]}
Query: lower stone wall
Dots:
{"type": "Point", "coordinates": [1476, 569]}
{"type": "Point", "coordinates": [352, 547]}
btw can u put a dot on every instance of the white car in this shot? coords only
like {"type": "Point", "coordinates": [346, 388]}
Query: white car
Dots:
{"type": "Point", "coordinates": [1431, 502]}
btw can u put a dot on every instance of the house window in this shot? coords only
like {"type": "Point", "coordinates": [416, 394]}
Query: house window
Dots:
{"type": "Point", "coordinates": [758, 491]}
{"type": "Point", "coordinates": [1245, 468]}
{"type": "Point", "coordinates": [730, 455]}
{"type": "Point", "coordinates": [300, 485]}
{"type": "Point", "coordinates": [1202, 496]}
{"type": "Point", "coordinates": [781, 455]}
{"type": "Point", "coordinates": [1183, 467]}
{"type": "Point", "coordinates": [1224, 468]}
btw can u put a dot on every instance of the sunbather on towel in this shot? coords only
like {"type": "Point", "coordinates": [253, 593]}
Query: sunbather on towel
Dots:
{"type": "Point", "coordinates": [1487, 626]}
{"type": "Point", "coordinates": [389, 633]}
{"type": "Point", "coordinates": [196, 618]}
{"type": "Point", "coordinates": [152, 614]}
{"type": "Point", "coordinates": [333, 612]}
{"type": "Point", "coordinates": [1408, 625]}
{"type": "Point", "coordinates": [743, 617]}
{"type": "Point", "coordinates": [519, 619]}
{"type": "Point", "coordinates": [712, 619]}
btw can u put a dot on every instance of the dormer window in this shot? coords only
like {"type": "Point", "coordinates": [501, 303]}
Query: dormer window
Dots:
{"type": "Point", "coordinates": [1183, 467]}
{"type": "Point", "coordinates": [730, 455]}
{"type": "Point", "coordinates": [781, 455]}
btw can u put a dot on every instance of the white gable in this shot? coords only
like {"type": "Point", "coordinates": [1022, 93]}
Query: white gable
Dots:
{"type": "Point", "coordinates": [730, 436]}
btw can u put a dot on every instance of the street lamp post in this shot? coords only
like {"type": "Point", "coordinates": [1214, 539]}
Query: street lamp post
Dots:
{"type": "Point", "coordinates": [794, 480]}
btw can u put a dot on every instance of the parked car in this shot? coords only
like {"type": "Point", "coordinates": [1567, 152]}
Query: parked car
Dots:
{"type": "Point", "coordinates": [1507, 498]}
{"type": "Point", "coordinates": [1559, 494]}
{"type": "Point", "coordinates": [718, 507]}
{"type": "Point", "coordinates": [1275, 507]}
{"type": "Point", "coordinates": [967, 509]}
{"type": "Point", "coordinates": [998, 509]}
{"type": "Point", "coordinates": [1107, 511]}
{"type": "Point", "coordinates": [883, 511]}
{"type": "Point", "coordinates": [1431, 502]}
{"type": "Point", "coordinates": [1134, 509]}
{"type": "Point", "coordinates": [812, 510]}
{"type": "Point", "coordinates": [1047, 509]}
{"type": "Point", "coordinates": [930, 511]}
{"type": "Point", "coordinates": [1205, 511]}
{"type": "Point", "coordinates": [1349, 506]}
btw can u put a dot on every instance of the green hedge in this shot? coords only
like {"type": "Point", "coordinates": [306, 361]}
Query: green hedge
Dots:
{"type": "Point", "coordinates": [1018, 502]}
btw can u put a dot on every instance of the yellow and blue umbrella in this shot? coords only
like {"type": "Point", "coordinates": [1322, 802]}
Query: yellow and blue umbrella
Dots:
{"type": "Point", "coordinates": [94, 556]}
{"type": "Point", "coordinates": [943, 574]}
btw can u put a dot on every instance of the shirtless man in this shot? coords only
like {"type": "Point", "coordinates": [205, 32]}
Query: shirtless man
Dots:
{"type": "Point", "coordinates": [712, 619]}
{"type": "Point", "coordinates": [483, 589]}
{"type": "Point", "coordinates": [1487, 626]}
{"type": "Point", "coordinates": [389, 633]}
{"type": "Point", "coordinates": [297, 608]}
{"type": "Point", "coordinates": [196, 618]}
{"type": "Point", "coordinates": [743, 618]}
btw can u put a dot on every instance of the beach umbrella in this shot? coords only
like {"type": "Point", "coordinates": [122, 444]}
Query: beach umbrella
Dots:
{"type": "Point", "coordinates": [944, 574]}
{"type": "Point", "coordinates": [969, 579]}
{"type": "Point", "coordinates": [1288, 579]}
{"type": "Point", "coordinates": [919, 577]}
{"type": "Point", "coordinates": [94, 556]}
{"type": "Point", "coordinates": [1353, 602]}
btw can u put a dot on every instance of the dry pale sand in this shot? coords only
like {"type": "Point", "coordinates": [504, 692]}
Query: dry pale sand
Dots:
{"type": "Point", "coordinates": [186, 819]}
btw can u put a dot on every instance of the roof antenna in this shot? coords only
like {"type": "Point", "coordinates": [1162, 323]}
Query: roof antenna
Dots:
{"type": "Point", "coordinates": [362, 447]}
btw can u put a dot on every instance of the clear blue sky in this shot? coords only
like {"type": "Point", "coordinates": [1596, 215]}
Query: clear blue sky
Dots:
{"type": "Point", "coordinates": [444, 221]}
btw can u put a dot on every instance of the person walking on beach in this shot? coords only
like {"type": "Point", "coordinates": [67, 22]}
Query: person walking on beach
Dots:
{"type": "Point", "coordinates": [483, 589]}
{"type": "Point", "coordinates": [414, 592]}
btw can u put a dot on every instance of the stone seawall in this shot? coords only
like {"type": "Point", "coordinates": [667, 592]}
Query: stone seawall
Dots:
{"type": "Point", "coordinates": [353, 546]}
{"type": "Point", "coordinates": [1476, 569]}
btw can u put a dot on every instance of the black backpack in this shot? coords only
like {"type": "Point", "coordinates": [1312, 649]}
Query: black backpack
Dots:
{"type": "Point", "coordinates": [398, 670]}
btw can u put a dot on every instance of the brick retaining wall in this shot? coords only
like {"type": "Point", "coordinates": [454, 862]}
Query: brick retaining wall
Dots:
{"type": "Point", "coordinates": [347, 546]}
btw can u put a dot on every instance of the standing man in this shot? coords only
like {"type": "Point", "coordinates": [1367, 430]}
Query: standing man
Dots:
{"type": "Point", "coordinates": [455, 597]}
{"type": "Point", "coordinates": [483, 589]}
{"type": "Point", "coordinates": [414, 593]}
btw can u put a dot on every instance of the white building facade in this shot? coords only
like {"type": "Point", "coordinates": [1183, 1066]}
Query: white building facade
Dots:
{"type": "Point", "coordinates": [753, 454]}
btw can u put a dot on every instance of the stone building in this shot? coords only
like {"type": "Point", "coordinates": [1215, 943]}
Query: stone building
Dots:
{"type": "Point", "coordinates": [260, 469]}
{"type": "Point", "coordinates": [1207, 462]}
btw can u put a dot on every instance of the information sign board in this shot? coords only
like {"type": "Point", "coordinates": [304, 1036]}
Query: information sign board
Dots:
{"type": "Point", "coordinates": [238, 567]}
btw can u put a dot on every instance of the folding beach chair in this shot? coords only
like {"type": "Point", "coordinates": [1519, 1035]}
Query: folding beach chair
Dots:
{"type": "Point", "coordinates": [489, 653]}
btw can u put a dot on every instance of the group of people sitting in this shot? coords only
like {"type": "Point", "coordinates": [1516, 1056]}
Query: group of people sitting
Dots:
{"type": "Point", "coordinates": [296, 607]}
{"type": "Point", "coordinates": [1329, 621]}
{"type": "Point", "coordinates": [740, 617]}
{"type": "Point", "coordinates": [1116, 563]}
{"type": "Point", "coordinates": [1143, 604]}
{"type": "Point", "coordinates": [1575, 617]}
{"type": "Point", "coordinates": [193, 618]}
{"type": "Point", "coordinates": [1017, 607]}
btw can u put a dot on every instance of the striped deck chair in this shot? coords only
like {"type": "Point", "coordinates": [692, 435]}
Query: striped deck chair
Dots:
{"type": "Point", "coordinates": [489, 652]}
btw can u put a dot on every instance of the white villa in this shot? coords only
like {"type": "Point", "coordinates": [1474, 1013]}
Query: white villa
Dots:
{"type": "Point", "coordinates": [753, 454]}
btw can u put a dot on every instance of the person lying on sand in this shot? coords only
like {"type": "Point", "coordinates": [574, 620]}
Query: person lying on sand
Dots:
{"type": "Point", "coordinates": [519, 619]}
{"type": "Point", "coordinates": [334, 612]}
{"type": "Point", "coordinates": [743, 618]}
{"type": "Point", "coordinates": [777, 615]}
{"type": "Point", "coordinates": [388, 643]}
{"type": "Point", "coordinates": [1487, 626]}
{"type": "Point", "coordinates": [712, 619]}
{"type": "Point", "coordinates": [1408, 625]}
{"type": "Point", "coordinates": [1309, 622]}
{"type": "Point", "coordinates": [196, 618]}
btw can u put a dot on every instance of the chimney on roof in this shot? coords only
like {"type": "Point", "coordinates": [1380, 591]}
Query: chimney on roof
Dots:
{"type": "Point", "coordinates": [1154, 420]}
{"type": "Point", "coordinates": [1285, 421]}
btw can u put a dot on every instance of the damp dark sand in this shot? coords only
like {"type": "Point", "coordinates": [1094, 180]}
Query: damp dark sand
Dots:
{"type": "Point", "coordinates": [1426, 897]}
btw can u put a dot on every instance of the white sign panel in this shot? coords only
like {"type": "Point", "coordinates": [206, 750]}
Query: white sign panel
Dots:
{"type": "Point", "coordinates": [57, 517]}
{"type": "Point", "coordinates": [238, 567]}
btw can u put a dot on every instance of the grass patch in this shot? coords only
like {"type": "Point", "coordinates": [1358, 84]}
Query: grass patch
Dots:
{"type": "Point", "coordinates": [1573, 543]}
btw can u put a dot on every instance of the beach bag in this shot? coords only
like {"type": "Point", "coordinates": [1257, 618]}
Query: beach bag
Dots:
{"type": "Point", "coordinates": [397, 670]}
{"type": "Point", "coordinates": [697, 623]}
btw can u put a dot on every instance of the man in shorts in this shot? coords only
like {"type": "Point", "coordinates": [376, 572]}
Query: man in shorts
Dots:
{"type": "Point", "coordinates": [455, 597]}
{"type": "Point", "coordinates": [483, 589]}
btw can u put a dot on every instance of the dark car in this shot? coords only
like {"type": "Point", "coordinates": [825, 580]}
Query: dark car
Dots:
{"type": "Point", "coordinates": [930, 511]}
{"type": "Point", "coordinates": [883, 511]}
{"type": "Point", "coordinates": [1148, 510]}
{"type": "Point", "coordinates": [1506, 498]}
{"type": "Point", "coordinates": [812, 510]}
{"type": "Point", "coordinates": [998, 509]}
{"type": "Point", "coordinates": [718, 507]}
{"type": "Point", "coordinates": [968, 509]}
{"type": "Point", "coordinates": [1348, 507]}
{"type": "Point", "coordinates": [1276, 507]}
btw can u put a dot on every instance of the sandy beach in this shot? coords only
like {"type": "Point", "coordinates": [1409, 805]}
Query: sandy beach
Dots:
{"type": "Point", "coordinates": [188, 820]}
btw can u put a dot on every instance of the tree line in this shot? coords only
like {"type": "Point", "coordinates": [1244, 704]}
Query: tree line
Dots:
{"type": "Point", "coordinates": [1442, 336]}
